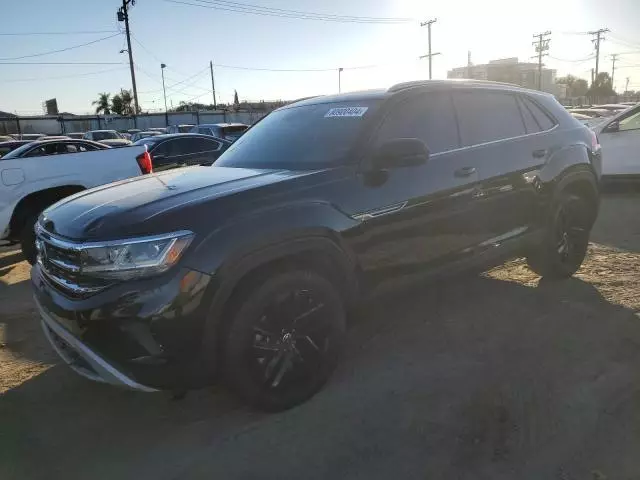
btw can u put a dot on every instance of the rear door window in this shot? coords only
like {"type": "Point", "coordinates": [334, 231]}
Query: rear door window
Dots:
{"type": "Point", "coordinates": [542, 119]}
{"type": "Point", "coordinates": [204, 145]}
{"type": "Point", "coordinates": [486, 116]}
{"type": "Point", "coordinates": [429, 117]}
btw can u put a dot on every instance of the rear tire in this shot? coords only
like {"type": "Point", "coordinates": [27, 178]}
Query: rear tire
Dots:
{"type": "Point", "coordinates": [283, 339]}
{"type": "Point", "coordinates": [28, 239]}
{"type": "Point", "coordinates": [566, 239]}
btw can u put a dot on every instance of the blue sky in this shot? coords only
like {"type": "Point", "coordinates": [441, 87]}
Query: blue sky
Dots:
{"type": "Point", "coordinates": [187, 37]}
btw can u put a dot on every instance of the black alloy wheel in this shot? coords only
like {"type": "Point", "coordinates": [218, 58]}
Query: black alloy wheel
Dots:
{"type": "Point", "coordinates": [565, 244]}
{"type": "Point", "coordinates": [285, 340]}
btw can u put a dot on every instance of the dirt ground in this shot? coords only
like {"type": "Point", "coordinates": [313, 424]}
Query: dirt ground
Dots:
{"type": "Point", "coordinates": [493, 376]}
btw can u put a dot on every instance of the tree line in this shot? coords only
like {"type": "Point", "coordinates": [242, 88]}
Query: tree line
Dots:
{"type": "Point", "coordinates": [601, 86]}
{"type": "Point", "coordinates": [120, 103]}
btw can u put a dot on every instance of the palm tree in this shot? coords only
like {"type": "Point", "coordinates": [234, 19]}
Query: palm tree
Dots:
{"type": "Point", "coordinates": [102, 103]}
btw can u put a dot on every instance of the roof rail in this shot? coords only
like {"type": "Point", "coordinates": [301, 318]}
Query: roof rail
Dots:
{"type": "Point", "coordinates": [423, 83]}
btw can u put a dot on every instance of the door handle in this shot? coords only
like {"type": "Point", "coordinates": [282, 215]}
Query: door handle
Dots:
{"type": "Point", "coordinates": [465, 171]}
{"type": "Point", "coordinates": [539, 153]}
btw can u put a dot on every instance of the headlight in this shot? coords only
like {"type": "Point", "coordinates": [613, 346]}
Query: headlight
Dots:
{"type": "Point", "coordinates": [135, 257]}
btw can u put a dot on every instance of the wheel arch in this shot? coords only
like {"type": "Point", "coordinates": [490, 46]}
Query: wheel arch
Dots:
{"type": "Point", "coordinates": [320, 253]}
{"type": "Point", "coordinates": [37, 201]}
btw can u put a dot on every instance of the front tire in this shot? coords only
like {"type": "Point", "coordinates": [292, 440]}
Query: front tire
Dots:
{"type": "Point", "coordinates": [283, 340]}
{"type": "Point", "coordinates": [28, 239]}
{"type": "Point", "coordinates": [566, 239]}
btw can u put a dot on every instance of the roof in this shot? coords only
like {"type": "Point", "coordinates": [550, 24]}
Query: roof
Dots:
{"type": "Point", "coordinates": [399, 87]}
{"type": "Point", "coordinates": [163, 136]}
{"type": "Point", "coordinates": [221, 125]}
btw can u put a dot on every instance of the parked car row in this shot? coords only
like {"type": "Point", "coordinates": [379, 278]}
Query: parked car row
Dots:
{"type": "Point", "coordinates": [244, 272]}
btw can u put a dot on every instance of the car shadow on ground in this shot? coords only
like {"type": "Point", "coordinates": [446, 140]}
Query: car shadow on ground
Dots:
{"type": "Point", "coordinates": [469, 378]}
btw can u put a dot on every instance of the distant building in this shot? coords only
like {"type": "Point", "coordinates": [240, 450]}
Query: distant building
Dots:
{"type": "Point", "coordinates": [508, 70]}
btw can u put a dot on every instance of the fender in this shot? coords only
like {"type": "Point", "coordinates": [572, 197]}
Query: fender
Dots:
{"type": "Point", "coordinates": [233, 253]}
{"type": "Point", "coordinates": [567, 165]}
{"type": "Point", "coordinates": [279, 224]}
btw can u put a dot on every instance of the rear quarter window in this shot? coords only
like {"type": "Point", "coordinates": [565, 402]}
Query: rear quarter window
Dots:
{"type": "Point", "coordinates": [544, 121]}
{"type": "Point", "coordinates": [486, 116]}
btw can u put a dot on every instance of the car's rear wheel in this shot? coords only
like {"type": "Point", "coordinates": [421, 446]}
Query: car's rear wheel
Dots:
{"type": "Point", "coordinates": [566, 239]}
{"type": "Point", "coordinates": [283, 340]}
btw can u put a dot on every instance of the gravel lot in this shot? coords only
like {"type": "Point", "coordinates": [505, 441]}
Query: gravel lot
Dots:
{"type": "Point", "coordinates": [483, 377]}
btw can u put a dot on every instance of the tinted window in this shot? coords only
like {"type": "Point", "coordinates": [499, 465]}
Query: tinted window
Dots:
{"type": "Point", "coordinates": [487, 116]}
{"type": "Point", "coordinates": [105, 135]}
{"type": "Point", "coordinates": [205, 131]}
{"type": "Point", "coordinates": [542, 119]}
{"type": "Point", "coordinates": [530, 122]}
{"type": "Point", "coordinates": [164, 148]}
{"type": "Point", "coordinates": [630, 121]}
{"type": "Point", "coordinates": [204, 145]}
{"type": "Point", "coordinates": [429, 118]}
{"type": "Point", "coordinates": [302, 137]}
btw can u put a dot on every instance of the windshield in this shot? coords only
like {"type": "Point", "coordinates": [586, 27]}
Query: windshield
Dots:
{"type": "Point", "coordinates": [185, 128]}
{"type": "Point", "coordinates": [301, 138]}
{"type": "Point", "coordinates": [107, 135]}
{"type": "Point", "coordinates": [17, 153]}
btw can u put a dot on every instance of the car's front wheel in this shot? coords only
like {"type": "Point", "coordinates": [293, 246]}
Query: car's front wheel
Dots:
{"type": "Point", "coordinates": [283, 339]}
{"type": "Point", "coordinates": [565, 240]}
{"type": "Point", "coordinates": [28, 238]}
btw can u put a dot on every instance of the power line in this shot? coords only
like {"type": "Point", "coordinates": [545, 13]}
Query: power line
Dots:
{"type": "Point", "coordinates": [580, 60]}
{"type": "Point", "coordinates": [60, 50]}
{"type": "Point", "coordinates": [61, 76]}
{"type": "Point", "coordinates": [86, 32]}
{"type": "Point", "coordinates": [305, 13]}
{"type": "Point", "coordinates": [293, 14]}
{"type": "Point", "coordinates": [62, 63]}
{"type": "Point", "coordinates": [135, 39]}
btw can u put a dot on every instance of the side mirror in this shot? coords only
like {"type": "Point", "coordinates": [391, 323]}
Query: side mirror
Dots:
{"type": "Point", "coordinates": [613, 127]}
{"type": "Point", "coordinates": [401, 152]}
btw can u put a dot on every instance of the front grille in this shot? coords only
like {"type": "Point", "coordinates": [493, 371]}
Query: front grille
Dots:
{"type": "Point", "coordinates": [60, 263]}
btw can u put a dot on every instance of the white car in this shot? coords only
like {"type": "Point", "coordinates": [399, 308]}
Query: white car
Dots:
{"type": "Point", "coordinates": [38, 174]}
{"type": "Point", "coordinates": [620, 140]}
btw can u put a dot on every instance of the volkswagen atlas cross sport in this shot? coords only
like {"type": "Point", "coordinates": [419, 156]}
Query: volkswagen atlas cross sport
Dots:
{"type": "Point", "coordinates": [245, 271]}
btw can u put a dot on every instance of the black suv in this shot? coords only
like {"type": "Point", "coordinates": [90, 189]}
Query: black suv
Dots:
{"type": "Point", "coordinates": [246, 270]}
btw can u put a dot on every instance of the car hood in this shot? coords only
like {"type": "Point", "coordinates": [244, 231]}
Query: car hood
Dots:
{"type": "Point", "coordinates": [156, 203]}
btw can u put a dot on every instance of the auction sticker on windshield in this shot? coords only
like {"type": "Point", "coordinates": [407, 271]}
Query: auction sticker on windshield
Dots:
{"type": "Point", "coordinates": [346, 112]}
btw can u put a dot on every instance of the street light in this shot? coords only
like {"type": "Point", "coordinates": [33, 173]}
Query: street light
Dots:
{"type": "Point", "coordinates": [339, 74]}
{"type": "Point", "coordinates": [166, 113]}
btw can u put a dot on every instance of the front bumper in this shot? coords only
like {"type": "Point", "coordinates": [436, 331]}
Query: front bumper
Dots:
{"type": "Point", "coordinates": [81, 358]}
{"type": "Point", "coordinates": [144, 335]}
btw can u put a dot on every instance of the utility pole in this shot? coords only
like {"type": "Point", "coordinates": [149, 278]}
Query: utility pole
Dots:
{"type": "Point", "coordinates": [340, 79]}
{"type": "Point", "coordinates": [614, 57]}
{"type": "Point", "coordinates": [542, 46]}
{"type": "Point", "coordinates": [429, 55]}
{"type": "Point", "coordinates": [626, 85]}
{"type": "Point", "coordinates": [166, 113]}
{"type": "Point", "coordinates": [123, 16]}
{"type": "Point", "coordinates": [598, 38]}
{"type": "Point", "coordinates": [213, 85]}
{"type": "Point", "coordinates": [468, 63]}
